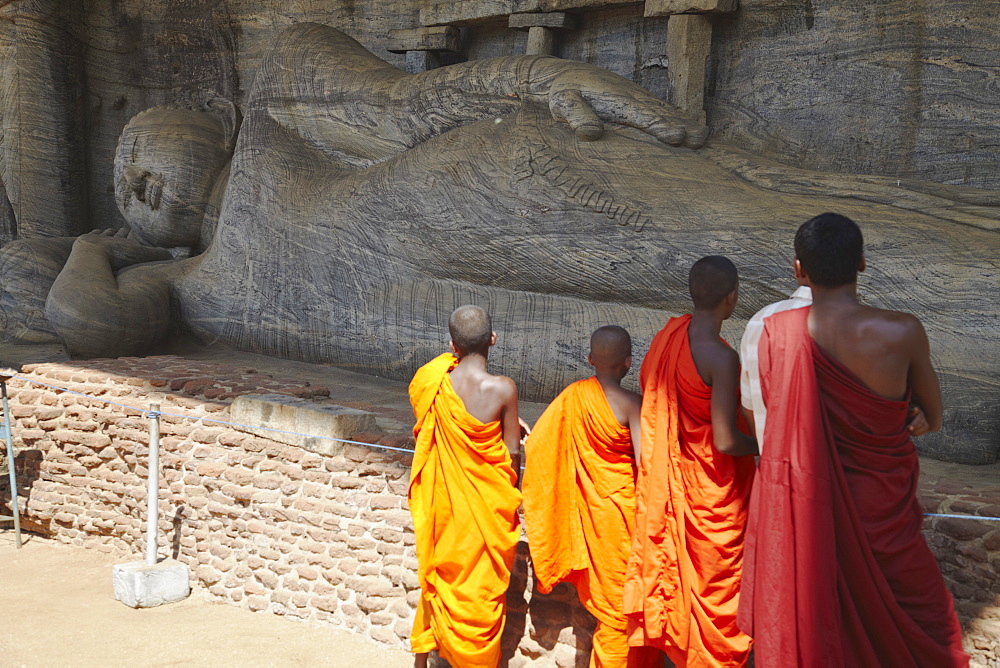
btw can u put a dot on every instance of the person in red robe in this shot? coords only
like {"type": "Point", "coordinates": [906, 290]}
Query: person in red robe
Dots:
{"type": "Point", "coordinates": [836, 570]}
{"type": "Point", "coordinates": [683, 578]}
{"type": "Point", "coordinates": [579, 495]}
{"type": "Point", "coordinates": [463, 497]}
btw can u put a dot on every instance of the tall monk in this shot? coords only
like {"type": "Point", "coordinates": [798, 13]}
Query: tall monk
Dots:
{"type": "Point", "coordinates": [837, 572]}
{"type": "Point", "coordinates": [463, 496]}
{"type": "Point", "coordinates": [579, 494]}
{"type": "Point", "coordinates": [683, 577]}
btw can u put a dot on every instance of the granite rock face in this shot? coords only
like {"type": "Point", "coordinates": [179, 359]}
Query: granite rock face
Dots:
{"type": "Point", "coordinates": [362, 205]}
{"type": "Point", "coordinates": [899, 88]}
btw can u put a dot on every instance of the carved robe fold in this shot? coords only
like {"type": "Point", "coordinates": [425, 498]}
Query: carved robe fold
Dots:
{"type": "Point", "coordinates": [837, 572]}
{"type": "Point", "coordinates": [579, 510]}
{"type": "Point", "coordinates": [464, 504]}
{"type": "Point", "coordinates": [683, 579]}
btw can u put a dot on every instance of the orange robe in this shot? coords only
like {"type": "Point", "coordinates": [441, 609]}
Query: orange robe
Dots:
{"type": "Point", "coordinates": [683, 578]}
{"type": "Point", "coordinates": [464, 504]}
{"type": "Point", "coordinates": [579, 510]}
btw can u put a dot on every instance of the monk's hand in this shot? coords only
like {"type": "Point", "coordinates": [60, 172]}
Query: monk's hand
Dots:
{"type": "Point", "coordinates": [586, 97]}
{"type": "Point", "coordinates": [121, 248]}
{"type": "Point", "coordinates": [917, 421]}
{"type": "Point", "coordinates": [525, 429]}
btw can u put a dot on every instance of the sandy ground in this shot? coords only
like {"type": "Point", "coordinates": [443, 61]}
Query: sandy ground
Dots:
{"type": "Point", "coordinates": [57, 609]}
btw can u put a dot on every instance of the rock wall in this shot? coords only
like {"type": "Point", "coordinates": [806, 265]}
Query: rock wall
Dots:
{"type": "Point", "coordinates": [892, 88]}
{"type": "Point", "coordinates": [327, 537]}
{"type": "Point", "coordinates": [898, 88]}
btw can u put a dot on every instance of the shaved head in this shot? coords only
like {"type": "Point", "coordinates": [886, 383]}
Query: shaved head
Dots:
{"type": "Point", "coordinates": [610, 345]}
{"type": "Point", "coordinates": [711, 279]}
{"type": "Point", "coordinates": [471, 330]}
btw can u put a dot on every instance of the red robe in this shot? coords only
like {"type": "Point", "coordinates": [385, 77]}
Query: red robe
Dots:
{"type": "Point", "coordinates": [683, 579]}
{"type": "Point", "coordinates": [836, 570]}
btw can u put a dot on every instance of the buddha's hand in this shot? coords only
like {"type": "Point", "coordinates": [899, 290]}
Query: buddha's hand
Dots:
{"type": "Point", "coordinates": [586, 97]}
{"type": "Point", "coordinates": [121, 247]}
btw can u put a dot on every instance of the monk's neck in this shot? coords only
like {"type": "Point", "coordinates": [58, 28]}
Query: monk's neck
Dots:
{"type": "Point", "coordinates": [608, 378]}
{"type": "Point", "coordinates": [472, 362]}
{"type": "Point", "coordinates": [706, 323]}
{"type": "Point", "coordinates": [835, 298]}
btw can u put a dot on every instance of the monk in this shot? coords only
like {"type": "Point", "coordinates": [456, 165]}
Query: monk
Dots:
{"type": "Point", "coordinates": [463, 496]}
{"type": "Point", "coordinates": [837, 571]}
{"type": "Point", "coordinates": [579, 494]}
{"type": "Point", "coordinates": [683, 577]}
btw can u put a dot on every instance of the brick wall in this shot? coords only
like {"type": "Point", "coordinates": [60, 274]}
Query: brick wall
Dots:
{"type": "Point", "coordinates": [262, 525]}
{"type": "Point", "coordinates": [322, 537]}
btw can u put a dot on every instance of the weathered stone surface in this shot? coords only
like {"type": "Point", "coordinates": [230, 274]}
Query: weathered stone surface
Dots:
{"type": "Point", "coordinates": [668, 7]}
{"type": "Point", "coordinates": [540, 41]}
{"type": "Point", "coordinates": [689, 41]}
{"type": "Point", "coordinates": [274, 416]}
{"type": "Point", "coordinates": [436, 38]}
{"type": "Point", "coordinates": [544, 20]}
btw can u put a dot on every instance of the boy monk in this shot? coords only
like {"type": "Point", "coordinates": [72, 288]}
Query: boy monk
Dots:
{"type": "Point", "coordinates": [837, 571]}
{"type": "Point", "coordinates": [463, 496]}
{"type": "Point", "coordinates": [683, 577]}
{"type": "Point", "coordinates": [579, 494]}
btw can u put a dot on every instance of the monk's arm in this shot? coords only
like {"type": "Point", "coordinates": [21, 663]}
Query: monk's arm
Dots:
{"type": "Point", "coordinates": [924, 381]}
{"type": "Point", "coordinates": [511, 426]}
{"type": "Point", "coordinates": [728, 439]}
{"type": "Point", "coordinates": [635, 428]}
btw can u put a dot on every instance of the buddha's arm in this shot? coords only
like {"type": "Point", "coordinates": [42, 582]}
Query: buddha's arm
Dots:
{"type": "Point", "coordinates": [582, 95]}
{"type": "Point", "coordinates": [97, 313]}
{"type": "Point", "coordinates": [327, 88]}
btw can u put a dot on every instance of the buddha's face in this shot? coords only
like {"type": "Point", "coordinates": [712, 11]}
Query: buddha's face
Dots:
{"type": "Point", "coordinates": [165, 168]}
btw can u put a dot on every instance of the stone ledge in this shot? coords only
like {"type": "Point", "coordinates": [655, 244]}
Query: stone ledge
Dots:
{"type": "Point", "coordinates": [258, 414]}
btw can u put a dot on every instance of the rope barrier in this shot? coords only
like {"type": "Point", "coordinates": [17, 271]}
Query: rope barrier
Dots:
{"type": "Point", "coordinates": [327, 438]}
{"type": "Point", "coordinates": [149, 413]}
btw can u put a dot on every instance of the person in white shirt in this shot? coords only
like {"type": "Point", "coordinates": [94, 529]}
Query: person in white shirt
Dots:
{"type": "Point", "coordinates": [750, 394]}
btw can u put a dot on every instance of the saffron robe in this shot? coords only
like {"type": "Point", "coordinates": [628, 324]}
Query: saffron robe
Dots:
{"type": "Point", "coordinates": [579, 510]}
{"type": "Point", "coordinates": [683, 578]}
{"type": "Point", "coordinates": [837, 572]}
{"type": "Point", "coordinates": [464, 500]}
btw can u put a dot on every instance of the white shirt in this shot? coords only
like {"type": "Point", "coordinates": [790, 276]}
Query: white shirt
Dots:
{"type": "Point", "coordinates": [750, 375]}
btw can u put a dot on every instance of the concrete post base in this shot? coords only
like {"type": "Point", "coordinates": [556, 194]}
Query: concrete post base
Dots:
{"type": "Point", "coordinates": [139, 585]}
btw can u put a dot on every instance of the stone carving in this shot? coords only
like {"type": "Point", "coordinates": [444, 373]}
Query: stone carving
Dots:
{"type": "Point", "coordinates": [362, 204]}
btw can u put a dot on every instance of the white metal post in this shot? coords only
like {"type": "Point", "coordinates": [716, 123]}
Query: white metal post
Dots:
{"type": "Point", "coordinates": [7, 419]}
{"type": "Point", "coordinates": [153, 486]}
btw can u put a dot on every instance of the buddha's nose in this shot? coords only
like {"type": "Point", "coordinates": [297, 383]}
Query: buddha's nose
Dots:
{"type": "Point", "coordinates": [135, 179]}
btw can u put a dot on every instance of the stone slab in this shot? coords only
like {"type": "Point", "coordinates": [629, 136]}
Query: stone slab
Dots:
{"type": "Point", "coordinates": [452, 12]}
{"type": "Point", "coordinates": [258, 412]}
{"type": "Point", "coordinates": [140, 585]}
{"type": "Point", "coordinates": [564, 5]}
{"type": "Point", "coordinates": [543, 20]}
{"type": "Point", "coordinates": [465, 12]}
{"type": "Point", "coordinates": [669, 7]}
{"type": "Point", "coordinates": [435, 38]}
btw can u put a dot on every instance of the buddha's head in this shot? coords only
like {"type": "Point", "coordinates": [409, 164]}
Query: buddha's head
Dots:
{"type": "Point", "coordinates": [166, 167]}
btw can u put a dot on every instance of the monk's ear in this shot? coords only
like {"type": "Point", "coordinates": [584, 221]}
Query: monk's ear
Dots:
{"type": "Point", "coordinates": [628, 363]}
{"type": "Point", "coordinates": [800, 273]}
{"type": "Point", "coordinates": [862, 265]}
{"type": "Point", "coordinates": [493, 339]}
{"type": "Point", "coordinates": [452, 348]}
{"type": "Point", "coordinates": [590, 359]}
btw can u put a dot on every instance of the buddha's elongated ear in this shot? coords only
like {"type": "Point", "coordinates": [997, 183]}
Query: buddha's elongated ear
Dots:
{"type": "Point", "coordinates": [230, 115]}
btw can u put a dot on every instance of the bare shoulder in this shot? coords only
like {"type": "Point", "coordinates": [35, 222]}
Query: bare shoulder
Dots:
{"type": "Point", "coordinates": [502, 387]}
{"type": "Point", "coordinates": [892, 326]}
{"type": "Point", "coordinates": [714, 360]}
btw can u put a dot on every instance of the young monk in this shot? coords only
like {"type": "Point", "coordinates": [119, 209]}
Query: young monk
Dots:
{"type": "Point", "coordinates": [579, 494]}
{"type": "Point", "coordinates": [463, 496]}
{"type": "Point", "coordinates": [837, 571]}
{"type": "Point", "coordinates": [683, 577]}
